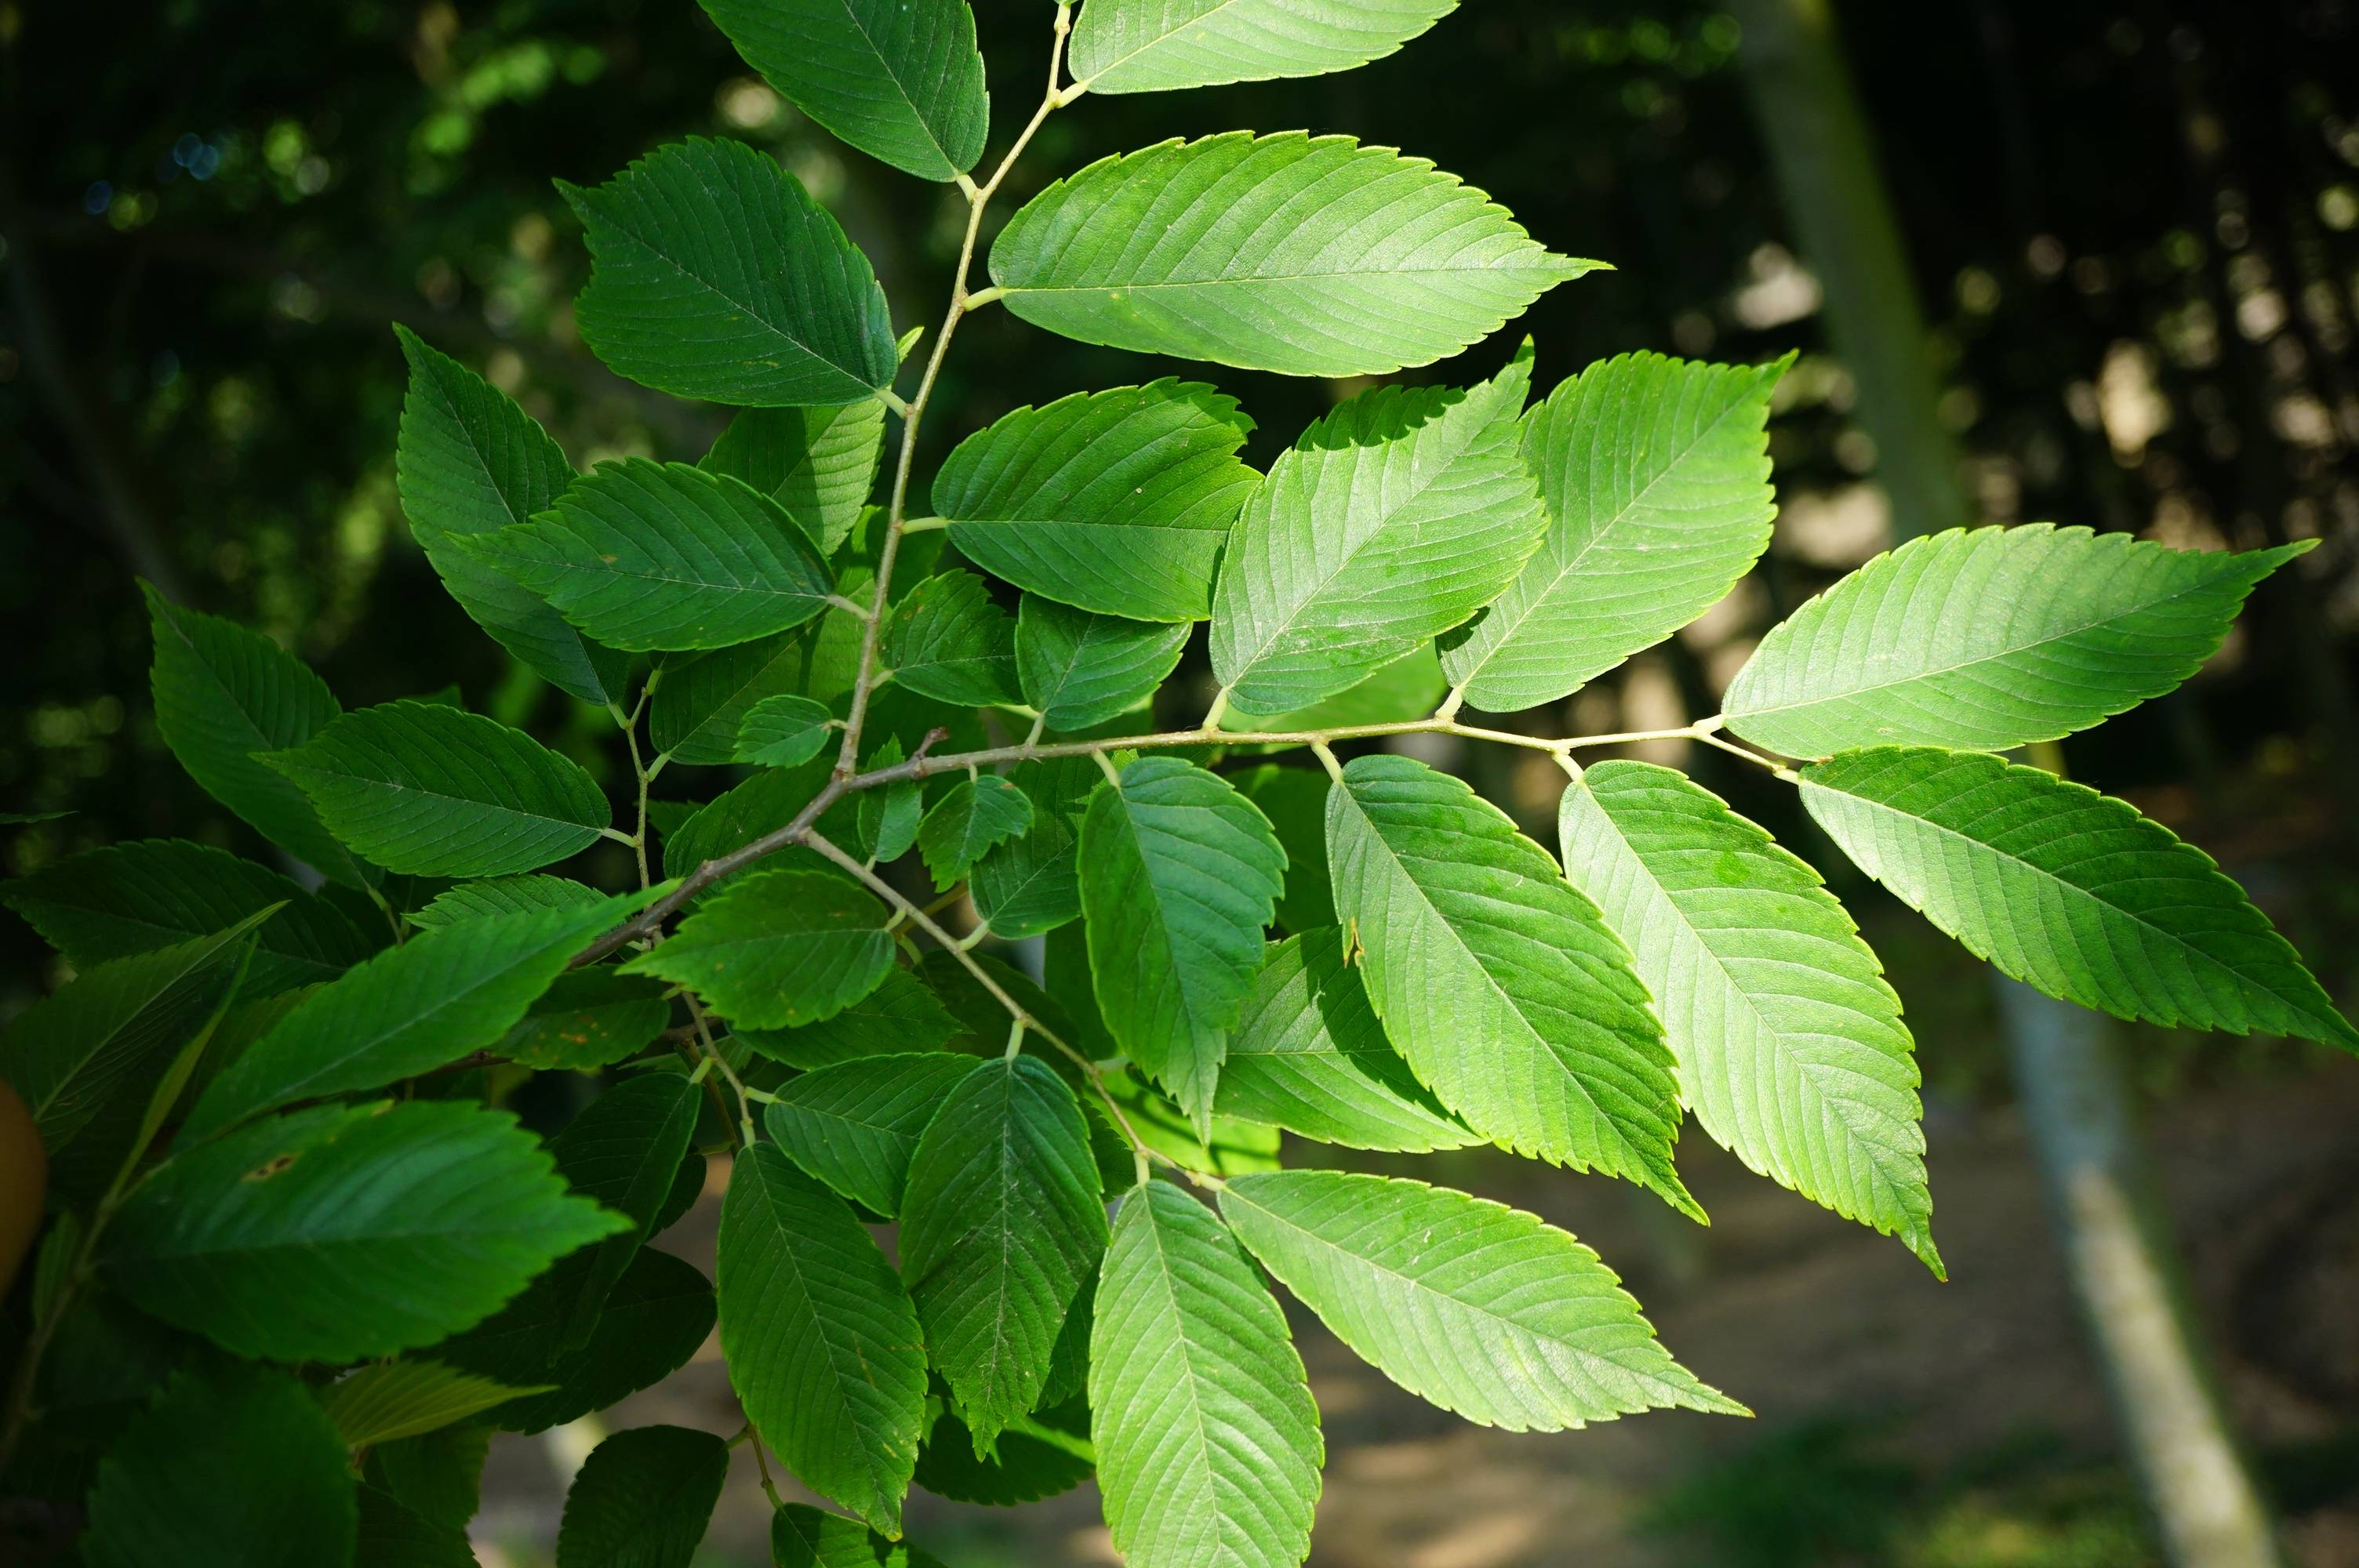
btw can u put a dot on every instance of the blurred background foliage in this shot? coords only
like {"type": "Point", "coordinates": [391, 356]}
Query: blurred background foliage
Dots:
{"type": "Point", "coordinates": [2134, 227]}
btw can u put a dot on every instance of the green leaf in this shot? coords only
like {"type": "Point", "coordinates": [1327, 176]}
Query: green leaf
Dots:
{"type": "Point", "coordinates": [657, 1316]}
{"type": "Point", "coordinates": [889, 817]}
{"type": "Point", "coordinates": [430, 791]}
{"type": "Point", "coordinates": [1032, 884]}
{"type": "Point", "coordinates": [1656, 474]}
{"type": "Point", "coordinates": [1411, 686]}
{"type": "Point", "coordinates": [2069, 891]}
{"type": "Point", "coordinates": [900, 1014]}
{"type": "Point", "coordinates": [1294, 801]}
{"type": "Point", "coordinates": [224, 694]}
{"type": "Point", "coordinates": [783, 732]}
{"type": "Point", "coordinates": [818, 463]}
{"type": "Point", "coordinates": [1470, 1306]}
{"type": "Point", "coordinates": [761, 805]}
{"type": "Point", "coordinates": [715, 274]}
{"type": "Point", "coordinates": [343, 1232]}
{"type": "Point", "coordinates": [701, 704]}
{"type": "Point", "coordinates": [644, 1499]}
{"type": "Point", "coordinates": [1227, 1145]}
{"type": "Point", "coordinates": [81, 1057]}
{"type": "Point", "coordinates": [856, 1124]}
{"type": "Point", "coordinates": [971, 816]}
{"type": "Point", "coordinates": [1208, 1443]}
{"type": "Point", "coordinates": [1116, 502]}
{"type": "Point", "coordinates": [408, 1010]}
{"type": "Point", "coordinates": [469, 461]}
{"type": "Point", "coordinates": [1041, 1456]}
{"type": "Point", "coordinates": [903, 82]}
{"type": "Point", "coordinates": [778, 948]}
{"type": "Point", "coordinates": [821, 1342]}
{"type": "Point", "coordinates": [388, 1401]}
{"type": "Point", "coordinates": [1791, 1047]}
{"type": "Point", "coordinates": [133, 898]}
{"type": "Point", "coordinates": [1310, 1056]}
{"type": "Point", "coordinates": [1991, 638]}
{"type": "Point", "coordinates": [503, 895]}
{"type": "Point", "coordinates": [803, 1536]}
{"type": "Point", "coordinates": [1149, 46]}
{"type": "Point", "coordinates": [1180, 874]}
{"type": "Point", "coordinates": [587, 1019]}
{"type": "Point", "coordinates": [1392, 520]}
{"type": "Point", "coordinates": [230, 1467]}
{"type": "Point", "coordinates": [948, 641]}
{"type": "Point", "coordinates": [439, 1476]}
{"type": "Point", "coordinates": [649, 556]}
{"type": "Point", "coordinates": [624, 1151]}
{"type": "Point", "coordinates": [1308, 255]}
{"type": "Point", "coordinates": [1512, 999]}
{"type": "Point", "coordinates": [1081, 670]}
{"type": "Point", "coordinates": [1001, 1222]}
{"type": "Point", "coordinates": [395, 1535]}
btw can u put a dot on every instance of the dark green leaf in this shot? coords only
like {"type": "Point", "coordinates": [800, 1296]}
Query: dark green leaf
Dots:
{"type": "Point", "coordinates": [470, 462]}
{"type": "Point", "coordinates": [701, 703]}
{"type": "Point", "coordinates": [821, 1341]}
{"type": "Point", "coordinates": [1117, 501]}
{"type": "Point", "coordinates": [589, 1017]}
{"type": "Point", "coordinates": [428, 790]}
{"type": "Point", "coordinates": [623, 1151]}
{"type": "Point", "coordinates": [233, 1467]}
{"type": "Point", "coordinates": [782, 732]}
{"type": "Point", "coordinates": [903, 82]}
{"type": "Point", "coordinates": [503, 895]}
{"type": "Point", "coordinates": [439, 1476]}
{"type": "Point", "coordinates": [818, 463]}
{"type": "Point", "coordinates": [1001, 1222]}
{"type": "Point", "coordinates": [971, 816]}
{"type": "Point", "coordinates": [776, 949]}
{"type": "Point", "coordinates": [1032, 884]}
{"type": "Point", "coordinates": [1081, 669]}
{"type": "Point", "coordinates": [716, 275]}
{"type": "Point", "coordinates": [855, 1125]}
{"type": "Point", "coordinates": [948, 641]}
{"type": "Point", "coordinates": [395, 1535]}
{"type": "Point", "coordinates": [642, 555]}
{"type": "Point", "coordinates": [900, 1014]}
{"type": "Point", "coordinates": [1180, 875]}
{"type": "Point", "coordinates": [889, 817]}
{"type": "Point", "coordinates": [803, 1536]}
{"type": "Point", "coordinates": [644, 1499]}
{"type": "Point", "coordinates": [343, 1232]}
{"type": "Point", "coordinates": [224, 694]}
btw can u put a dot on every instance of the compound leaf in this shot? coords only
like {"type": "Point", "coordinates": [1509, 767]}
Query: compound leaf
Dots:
{"type": "Point", "coordinates": [1117, 501]}
{"type": "Point", "coordinates": [902, 82]}
{"type": "Point", "coordinates": [715, 274]}
{"type": "Point", "coordinates": [1149, 45]}
{"type": "Point", "coordinates": [1306, 255]}
{"type": "Point", "coordinates": [1656, 474]}
{"type": "Point", "coordinates": [2069, 891]}
{"type": "Point", "coordinates": [1791, 1047]}
{"type": "Point", "coordinates": [1208, 1443]}
{"type": "Point", "coordinates": [1310, 1056]}
{"type": "Point", "coordinates": [1991, 638]}
{"type": "Point", "coordinates": [469, 461]}
{"type": "Point", "coordinates": [1512, 999]}
{"type": "Point", "coordinates": [649, 556]}
{"type": "Point", "coordinates": [1001, 1222]}
{"type": "Point", "coordinates": [343, 1232]}
{"type": "Point", "coordinates": [1476, 1307]}
{"type": "Point", "coordinates": [431, 791]}
{"type": "Point", "coordinates": [1180, 874]}
{"type": "Point", "coordinates": [778, 948]}
{"type": "Point", "coordinates": [821, 1342]}
{"type": "Point", "coordinates": [1392, 520]}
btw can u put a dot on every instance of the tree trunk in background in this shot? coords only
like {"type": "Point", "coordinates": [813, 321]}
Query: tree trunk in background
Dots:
{"type": "Point", "coordinates": [2076, 1103]}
